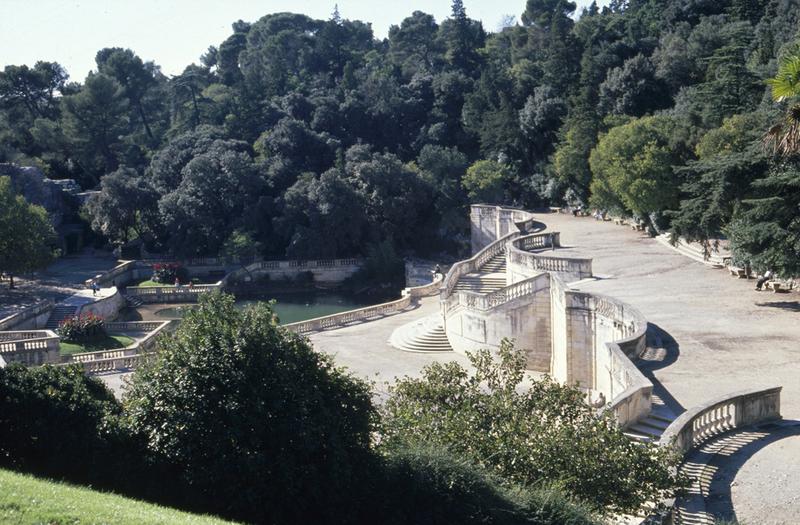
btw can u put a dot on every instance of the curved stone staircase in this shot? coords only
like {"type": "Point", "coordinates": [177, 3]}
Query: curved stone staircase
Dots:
{"type": "Point", "coordinates": [424, 335]}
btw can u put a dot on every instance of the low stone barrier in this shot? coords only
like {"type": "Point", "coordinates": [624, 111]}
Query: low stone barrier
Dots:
{"type": "Point", "coordinates": [32, 317]}
{"type": "Point", "coordinates": [739, 409]}
{"type": "Point", "coordinates": [170, 294]}
{"type": "Point", "coordinates": [323, 270]}
{"type": "Point", "coordinates": [143, 345]}
{"type": "Point", "coordinates": [31, 348]}
{"type": "Point", "coordinates": [522, 262]}
{"type": "Point", "coordinates": [362, 314]}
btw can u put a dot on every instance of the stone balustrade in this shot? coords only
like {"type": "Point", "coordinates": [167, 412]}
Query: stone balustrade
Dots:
{"type": "Point", "coordinates": [112, 364]}
{"type": "Point", "coordinates": [537, 241]}
{"type": "Point", "coordinates": [485, 302]}
{"type": "Point", "coordinates": [409, 295]}
{"type": "Point", "coordinates": [740, 409]}
{"type": "Point", "coordinates": [170, 294]}
{"type": "Point", "coordinates": [474, 263]}
{"type": "Point", "coordinates": [155, 328]}
{"type": "Point", "coordinates": [523, 262]}
{"type": "Point", "coordinates": [120, 273]}
{"type": "Point", "coordinates": [31, 348]}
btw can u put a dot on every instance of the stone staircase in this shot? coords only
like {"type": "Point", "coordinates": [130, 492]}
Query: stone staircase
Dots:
{"type": "Point", "coordinates": [490, 278]}
{"type": "Point", "coordinates": [651, 427]}
{"type": "Point", "coordinates": [133, 302]}
{"type": "Point", "coordinates": [424, 335]}
{"type": "Point", "coordinates": [58, 314]}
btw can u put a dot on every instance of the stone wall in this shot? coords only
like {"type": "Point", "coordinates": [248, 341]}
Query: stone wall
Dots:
{"type": "Point", "coordinates": [108, 307]}
{"type": "Point", "coordinates": [31, 318]}
{"type": "Point", "coordinates": [520, 312]}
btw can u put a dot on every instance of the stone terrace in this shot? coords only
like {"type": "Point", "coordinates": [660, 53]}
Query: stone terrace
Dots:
{"type": "Point", "coordinates": [726, 335]}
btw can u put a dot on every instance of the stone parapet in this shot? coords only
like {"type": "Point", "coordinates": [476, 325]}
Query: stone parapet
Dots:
{"type": "Point", "coordinates": [739, 409]}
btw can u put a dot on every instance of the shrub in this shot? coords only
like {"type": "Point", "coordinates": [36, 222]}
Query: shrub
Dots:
{"type": "Point", "coordinates": [166, 273]}
{"type": "Point", "coordinates": [58, 422]}
{"type": "Point", "coordinates": [530, 433]}
{"type": "Point", "coordinates": [427, 485]}
{"type": "Point", "coordinates": [81, 327]}
{"type": "Point", "coordinates": [258, 424]}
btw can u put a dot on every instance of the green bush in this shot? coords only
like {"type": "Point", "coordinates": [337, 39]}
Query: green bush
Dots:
{"type": "Point", "coordinates": [532, 433]}
{"type": "Point", "coordinates": [428, 485]}
{"type": "Point", "coordinates": [58, 422]}
{"type": "Point", "coordinates": [260, 426]}
{"type": "Point", "coordinates": [80, 328]}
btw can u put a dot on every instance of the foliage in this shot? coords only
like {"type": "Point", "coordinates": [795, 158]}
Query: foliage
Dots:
{"type": "Point", "coordinates": [27, 500]}
{"type": "Point", "coordinates": [81, 327]}
{"type": "Point", "coordinates": [257, 423]}
{"type": "Point", "coordinates": [125, 207]}
{"type": "Point", "coordinates": [632, 167]}
{"type": "Point", "coordinates": [765, 230]}
{"type": "Point", "coordinates": [426, 484]}
{"type": "Point", "coordinates": [316, 139]}
{"type": "Point", "coordinates": [533, 433]}
{"type": "Point", "coordinates": [485, 182]}
{"type": "Point", "coordinates": [58, 422]}
{"type": "Point", "coordinates": [25, 233]}
{"type": "Point", "coordinates": [167, 273]}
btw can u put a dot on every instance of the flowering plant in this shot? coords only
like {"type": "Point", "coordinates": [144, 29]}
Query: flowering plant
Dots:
{"type": "Point", "coordinates": [79, 327]}
{"type": "Point", "coordinates": [166, 273]}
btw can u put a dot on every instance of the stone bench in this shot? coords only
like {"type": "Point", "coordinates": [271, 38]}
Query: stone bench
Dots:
{"type": "Point", "coordinates": [740, 273]}
{"type": "Point", "coordinates": [779, 286]}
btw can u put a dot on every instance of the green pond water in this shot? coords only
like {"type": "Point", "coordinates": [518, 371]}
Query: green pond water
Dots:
{"type": "Point", "coordinates": [291, 308]}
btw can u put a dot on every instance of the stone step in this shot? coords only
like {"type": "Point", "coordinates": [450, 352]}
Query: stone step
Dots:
{"type": "Point", "coordinates": [58, 314]}
{"type": "Point", "coordinates": [424, 335]}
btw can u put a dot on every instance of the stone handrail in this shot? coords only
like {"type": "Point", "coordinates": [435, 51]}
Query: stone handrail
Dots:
{"type": "Point", "coordinates": [361, 314]}
{"type": "Point", "coordinates": [740, 409]}
{"type": "Point", "coordinates": [111, 275]}
{"type": "Point", "coordinates": [537, 241]}
{"type": "Point", "coordinates": [145, 344]}
{"type": "Point", "coordinates": [472, 264]}
{"type": "Point", "coordinates": [111, 364]}
{"type": "Point", "coordinates": [19, 335]}
{"type": "Point", "coordinates": [31, 348]}
{"type": "Point", "coordinates": [134, 326]}
{"type": "Point", "coordinates": [519, 253]}
{"type": "Point", "coordinates": [483, 302]}
{"type": "Point", "coordinates": [166, 294]}
{"type": "Point", "coordinates": [25, 314]}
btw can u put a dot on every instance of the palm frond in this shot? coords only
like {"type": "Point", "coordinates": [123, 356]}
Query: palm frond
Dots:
{"type": "Point", "coordinates": [786, 83]}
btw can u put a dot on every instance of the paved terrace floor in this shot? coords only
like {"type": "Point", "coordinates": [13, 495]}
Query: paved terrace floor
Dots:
{"type": "Point", "coordinates": [722, 335]}
{"type": "Point", "coordinates": [364, 348]}
{"type": "Point", "coordinates": [60, 280]}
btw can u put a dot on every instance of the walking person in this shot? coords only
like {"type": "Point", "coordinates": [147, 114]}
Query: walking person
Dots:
{"type": "Point", "coordinates": [95, 288]}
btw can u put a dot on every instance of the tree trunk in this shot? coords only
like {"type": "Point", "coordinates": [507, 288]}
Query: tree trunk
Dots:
{"type": "Point", "coordinates": [144, 119]}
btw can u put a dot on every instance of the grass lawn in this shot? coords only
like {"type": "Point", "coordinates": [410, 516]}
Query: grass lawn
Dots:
{"type": "Point", "coordinates": [106, 342]}
{"type": "Point", "coordinates": [147, 283]}
{"type": "Point", "coordinates": [27, 500]}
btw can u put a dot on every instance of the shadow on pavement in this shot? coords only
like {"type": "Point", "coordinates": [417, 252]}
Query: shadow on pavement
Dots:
{"type": "Point", "coordinates": [793, 306]}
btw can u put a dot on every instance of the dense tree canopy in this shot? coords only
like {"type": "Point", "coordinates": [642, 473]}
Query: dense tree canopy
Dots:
{"type": "Point", "coordinates": [538, 99]}
{"type": "Point", "coordinates": [26, 235]}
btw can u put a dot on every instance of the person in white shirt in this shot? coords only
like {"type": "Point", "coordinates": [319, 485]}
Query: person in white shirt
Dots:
{"type": "Point", "coordinates": [764, 278]}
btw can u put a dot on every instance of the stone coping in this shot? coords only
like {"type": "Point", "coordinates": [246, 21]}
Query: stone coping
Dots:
{"type": "Point", "coordinates": [702, 422]}
{"type": "Point", "coordinates": [360, 314]}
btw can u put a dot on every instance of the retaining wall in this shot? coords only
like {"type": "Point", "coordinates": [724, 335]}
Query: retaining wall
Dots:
{"type": "Point", "coordinates": [30, 318]}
